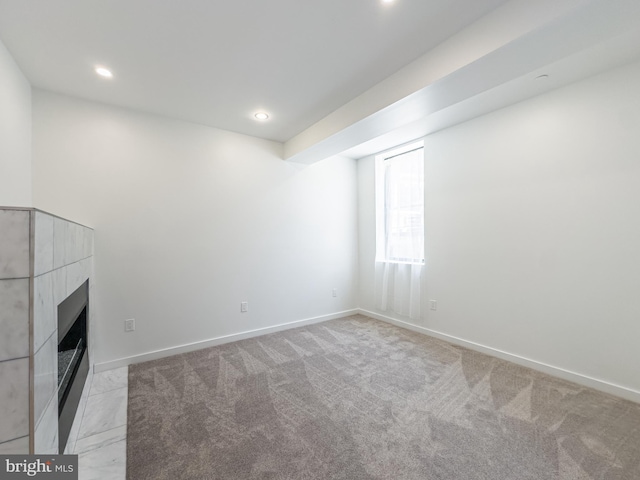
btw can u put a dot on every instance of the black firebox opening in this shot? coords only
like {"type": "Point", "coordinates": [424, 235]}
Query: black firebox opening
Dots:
{"type": "Point", "coordinates": [73, 358]}
{"type": "Point", "coordinates": [70, 351]}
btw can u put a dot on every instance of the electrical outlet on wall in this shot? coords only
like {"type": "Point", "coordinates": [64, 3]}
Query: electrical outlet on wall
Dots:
{"type": "Point", "coordinates": [244, 307]}
{"type": "Point", "coordinates": [334, 292]}
{"type": "Point", "coordinates": [433, 304]}
{"type": "Point", "coordinates": [130, 325]}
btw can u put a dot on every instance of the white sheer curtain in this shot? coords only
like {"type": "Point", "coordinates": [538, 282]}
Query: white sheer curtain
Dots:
{"type": "Point", "coordinates": [399, 267]}
{"type": "Point", "coordinates": [399, 287]}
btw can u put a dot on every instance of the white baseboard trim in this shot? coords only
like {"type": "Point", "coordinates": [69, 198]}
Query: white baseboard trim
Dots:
{"type": "Point", "coordinates": [190, 347]}
{"type": "Point", "coordinates": [580, 379]}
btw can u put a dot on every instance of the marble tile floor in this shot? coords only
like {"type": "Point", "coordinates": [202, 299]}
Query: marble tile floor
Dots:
{"type": "Point", "coordinates": [102, 433]}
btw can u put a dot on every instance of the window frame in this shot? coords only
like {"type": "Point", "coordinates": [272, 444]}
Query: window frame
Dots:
{"type": "Point", "coordinates": [380, 203]}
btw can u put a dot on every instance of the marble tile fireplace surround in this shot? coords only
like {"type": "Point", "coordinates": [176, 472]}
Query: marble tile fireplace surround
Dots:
{"type": "Point", "coordinates": [43, 260]}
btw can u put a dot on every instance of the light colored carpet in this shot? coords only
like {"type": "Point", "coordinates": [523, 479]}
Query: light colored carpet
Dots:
{"type": "Point", "coordinates": [356, 398]}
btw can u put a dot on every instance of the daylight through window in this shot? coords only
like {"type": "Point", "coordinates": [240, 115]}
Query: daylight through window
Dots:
{"type": "Point", "coordinates": [400, 205]}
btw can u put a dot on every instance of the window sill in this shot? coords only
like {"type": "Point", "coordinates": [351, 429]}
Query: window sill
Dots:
{"type": "Point", "coordinates": [398, 262]}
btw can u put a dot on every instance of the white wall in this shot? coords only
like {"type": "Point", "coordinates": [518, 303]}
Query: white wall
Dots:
{"type": "Point", "coordinates": [533, 229]}
{"type": "Point", "coordinates": [15, 133]}
{"type": "Point", "coordinates": [190, 221]}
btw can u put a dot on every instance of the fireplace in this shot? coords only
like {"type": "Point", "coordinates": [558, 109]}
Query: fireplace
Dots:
{"type": "Point", "coordinates": [73, 358]}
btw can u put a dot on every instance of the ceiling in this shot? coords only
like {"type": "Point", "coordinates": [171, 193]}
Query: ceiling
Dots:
{"type": "Point", "coordinates": [217, 63]}
{"type": "Point", "coordinates": [519, 50]}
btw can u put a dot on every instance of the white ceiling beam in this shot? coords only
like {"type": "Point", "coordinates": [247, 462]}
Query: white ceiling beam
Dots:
{"type": "Point", "coordinates": [518, 39]}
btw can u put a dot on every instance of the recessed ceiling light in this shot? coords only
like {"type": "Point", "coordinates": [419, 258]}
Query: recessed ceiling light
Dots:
{"type": "Point", "coordinates": [104, 72]}
{"type": "Point", "coordinates": [387, 1]}
{"type": "Point", "coordinates": [261, 116]}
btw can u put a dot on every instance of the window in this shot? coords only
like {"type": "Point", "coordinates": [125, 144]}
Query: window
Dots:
{"type": "Point", "coordinates": [400, 205]}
